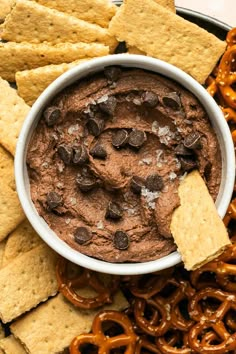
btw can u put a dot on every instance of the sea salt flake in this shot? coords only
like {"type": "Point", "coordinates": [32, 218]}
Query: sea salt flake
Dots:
{"type": "Point", "coordinates": [45, 164]}
{"type": "Point", "coordinates": [60, 185]}
{"type": "Point", "coordinates": [67, 221]}
{"type": "Point", "coordinates": [60, 166]}
{"type": "Point", "coordinates": [145, 161]}
{"type": "Point", "coordinates": [172, 176]}
{"type": "Point", "coordinates": [73, 201]}
{"type": "Point", "coordinates": [181, 178]}
{"type": "Point", "coordinates": [103, 98]}
{"type": "Point", "coordinates": [150, 197]}
{"type": "Point", "coordinates": [100, 225]}
{"type": "Point", "coordinates": [163, 131]}
{"type": "Point", "coordinates": [137, 102]}
{"type": "Point", "coordinates": [155, 126]}
{"type": "Point", "coordinates": [73, 128]}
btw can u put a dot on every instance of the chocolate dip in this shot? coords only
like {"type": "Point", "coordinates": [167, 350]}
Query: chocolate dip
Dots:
{"type": "Point", "coordinates": [106, 159]}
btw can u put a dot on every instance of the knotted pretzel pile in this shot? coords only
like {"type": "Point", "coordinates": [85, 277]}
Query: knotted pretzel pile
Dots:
{"type": "Point", "coordinates": [170, 312]}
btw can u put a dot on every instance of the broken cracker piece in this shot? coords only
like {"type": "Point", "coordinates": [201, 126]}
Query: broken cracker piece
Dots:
{"type": "Point", "coordinates": [197, 229]}
{"type": "Point", "coordinates": [13, 111]}
{"type": "Point", "coordinates": [34, 23]}
{"type": "Point", "coordinates": [99, 12]}
{"type": "Point", "coordinates": [31, 83]}
{"type": "Point", "coordinates": [21, 240]}
{"type": "Point", "coordinates": [168, 37]}
{"type": "Point", "coordinates": [54, 324]}
{"type": "Point", "coordinates": [10, 345]}
{"type": "Point", "coordinates": [27, 281]}
{"type": "Point", "coordinates": [24, 56]}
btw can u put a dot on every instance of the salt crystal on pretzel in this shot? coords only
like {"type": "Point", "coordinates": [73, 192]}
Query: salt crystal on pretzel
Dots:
{"type": "Point", "coordinates": [197, 229]}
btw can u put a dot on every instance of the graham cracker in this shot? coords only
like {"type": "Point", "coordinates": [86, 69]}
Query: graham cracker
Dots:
{"type": "Point", "coordinates": [7, 168]}
{"type": "Point", "coordinates": [27, 281]}
{"type": "Point", "coordinates": [31, 83]}
{"type": "Point", "coordinates": [198, 231]}
{"type": "Point", "coordinates": [21, 240]}
{"type": "Point", "coordinates": [10, 345]}
{"type": "Point", "coordinates": [11, 213]}
{"type": "Point", "coordinates": [23, 56]}
{"type": "Point", "coordinates": [13, 111]}
{"type": "Point", "coordinates": [5, 8]}
{"type": "Point", "coordinates": [34, 23]}
{"type": "Point", "coordinates": [51, 327]}
{"type": "Point", "coordinates": [99, 12]}
{"type": "Point", "coordinates": [168, 37]}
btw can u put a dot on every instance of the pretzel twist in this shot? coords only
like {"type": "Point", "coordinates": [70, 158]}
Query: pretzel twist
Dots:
{"type": "Point", "coordinates": [172, 345]}
{"type": "Point", "coordinates": [68, 287]}
{"type": "Point", "coordinates": [104, 343]}
{"type": "Point", "coordinates": [165, 311]}
{"type": "Point", "coordinates": [231, 38]}
{"type": "Point", "coordinates": [209, 334]}
{"type": "Point", "coordinates": [223, 269]}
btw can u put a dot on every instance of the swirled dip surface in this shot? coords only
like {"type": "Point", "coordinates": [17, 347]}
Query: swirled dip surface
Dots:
{"type": "Point", "coordinates": [106, 159]}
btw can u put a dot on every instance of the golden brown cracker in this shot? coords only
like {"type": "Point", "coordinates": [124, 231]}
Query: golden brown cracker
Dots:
{"type": "Point", "coordinates": [197, 229]}
{"type": "Point", "coordinates": [21, 240]}
{"type": "Point", "coordinates": [168, 4]}
{"type": "Point", "coordinates": [31, 83]}
{"type": "Point", "coordinates": [5, 8]}
{"type": "Point", "coordinates": [10, 345]}
{"type": "Point", "coordinates": [34, 23]}
{"type": "Point", "coordinates": [168, 37]}
{"type": "Point", "coordinates": [7, 168]}
{"type": "Point", "coordinates": [54, 324]}
{"type": "Point", "coordinates": [13, 111]}
{"type": "Point", "coordinates": [11, 213]}
{"type": "Point", "coordinates": [24, 56]}
{"type": "Point", "coordinates": [27, 281]}
{"type": "Point", "coordinates": [99, 12]}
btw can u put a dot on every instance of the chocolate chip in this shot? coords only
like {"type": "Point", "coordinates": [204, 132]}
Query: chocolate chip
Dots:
{"type": "Point", "coordinates": [98, 151]}
{"type": "Point", "coordinates": [95, 126]}
{"type": "Point", "coordinates": [112, 73]}
{"type": "Point", "coordinates": [137, 138]}
{"type": "Point", "coordinates": [82, 235]}
{"type": "Point", "coordinates": [114, 211]}
{"type": "Point", "coordinates": [150, 99]}
{"type": "Point", "coordinates": [182, 150]}
{"type": "Point", "coordinates": [120, 138]}
{"type": "Point", "coordinates": [193, 141]}
{"type": "Point", "coordinates": [53, 200]}
{"type": "Point", "coordinates": [80, 156]}
{"type": "Point", "coordinates": [187, 164]}
{"type": "Point", "coordinates": [86, 183]}
{"type": "Point", "coordinates": [65, 152]}
{"type": "Point", "coordinates": [52, 115]}
{"type": "Point", "coordinates": [136, 184]}
{"type": "Point", "coordinates": [121, 240]}
{"type": "Point", "coordinates": [154, 183]}
{"type": "Point", "coordinates": [108, 106]}
{"type": "Point", "coordinates": [172, 100]}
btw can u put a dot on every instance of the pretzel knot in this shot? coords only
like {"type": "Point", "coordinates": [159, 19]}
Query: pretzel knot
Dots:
{"type": "Point", "coordinates": [222, 267]}
{"type": "Point", "coordinates": [227, 76]}
{"type": "Point", "coordinates": [231, 38]}
{"type": "Point", "coordinates": [164, 312]}
{"type": "Point", "coordinates": [69, 286]}
{"type": "Point", "coordinates": [105, 344]}
{"type": "Point", "coordinates": [175, 343]}
{"type": "Point", "coordinates": [210, 334]}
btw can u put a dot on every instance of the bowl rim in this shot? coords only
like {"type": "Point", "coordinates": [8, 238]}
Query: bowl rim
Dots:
{"type": "Point", "coordinates": [72, 75]}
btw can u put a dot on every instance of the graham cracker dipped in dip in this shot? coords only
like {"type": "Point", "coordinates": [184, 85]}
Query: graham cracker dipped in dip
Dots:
{"type": "Point", "coordinates": [107, 157]}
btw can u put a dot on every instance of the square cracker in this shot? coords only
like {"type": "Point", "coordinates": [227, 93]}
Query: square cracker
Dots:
{"type": "Point", "coordinates": [21, 240]}
{"type": "Point", "coordinates": [10, 345]}
{"type": "Point", "coordinates": [23, 56]}
{"type": "Point", "coordinates": [31, 83]}
{"type": "Point", "coordinates": [99, 12]}
{"type": "Point", "coordinates": [168, 37]}
{"type": "Point", "coordinates": [34, 23]}
{"type": "Point", "coordinates": [13, 111]}
{"type": "Point", "coordinates": [27, 281]}
{"type": "Point", "coordinates": [7, 168]}
{"type": "Point", "coordinates": [11, 213]}
{"type": "Point", "coordinates": [197, 229]}
{"type": "Point", "coordinates": [54, 324]}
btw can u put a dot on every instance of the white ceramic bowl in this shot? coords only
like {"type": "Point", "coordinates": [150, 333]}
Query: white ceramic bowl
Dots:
{"type": "Point", "coordinates": [95, 65]}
